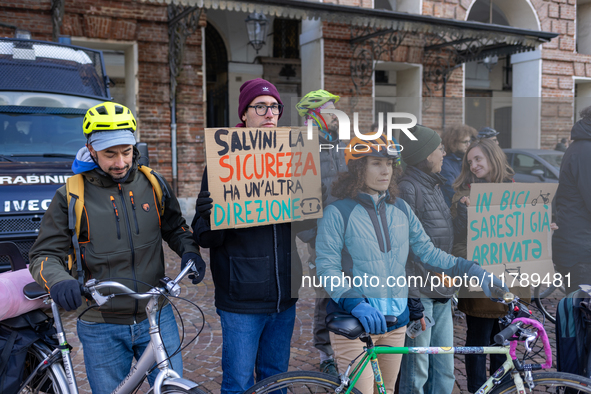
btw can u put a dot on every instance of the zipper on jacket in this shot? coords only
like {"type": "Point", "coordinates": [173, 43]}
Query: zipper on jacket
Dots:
{"type": "Point", "coordinates": [277, 269]}
{"type": "Point", "coordinates": [132, 249]}
{"type": "Point", "coordinates": [116, 216]}
{"type": "Point", "coordinates": [137, 229]}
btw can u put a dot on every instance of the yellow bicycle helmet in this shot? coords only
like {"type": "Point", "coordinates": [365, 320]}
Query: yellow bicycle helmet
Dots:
{"type": "Point", "coordinates": [108, 116]}
{"type": "Point", "coordinates": [314, 100]}
{"type": "Point", "coordinates": [358, 149]}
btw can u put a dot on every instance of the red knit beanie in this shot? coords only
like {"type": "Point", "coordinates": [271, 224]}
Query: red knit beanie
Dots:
{"type": "Point", "coordinates": [253, 89]}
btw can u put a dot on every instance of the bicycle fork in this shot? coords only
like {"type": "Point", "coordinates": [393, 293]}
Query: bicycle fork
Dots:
{"type": "Point", "coordinates": [64, 348]}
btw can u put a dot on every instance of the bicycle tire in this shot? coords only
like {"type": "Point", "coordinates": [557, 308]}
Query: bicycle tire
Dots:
{"type": "Point", "coordinates": [298, 382]}
{"type": "Point", "coordinates": [557, 381]}
{"type": "Point", "coordinates": [172, 389]}
{"type": "Point", "coordinates": [50, 381]}
{"type": "Point", "coordinates": [539, 295]}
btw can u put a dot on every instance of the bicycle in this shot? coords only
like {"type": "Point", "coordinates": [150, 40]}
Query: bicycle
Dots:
{"type": "Point", "coordinates": [545, 199]}
{"type": "Point", "coordinates": [50, 367]}
{"type": "Point", "coordinates": [513, 376]}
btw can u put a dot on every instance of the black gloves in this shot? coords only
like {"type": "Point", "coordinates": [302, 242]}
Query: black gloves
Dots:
{"type": "Point", "coordinates": [415, 308]}
{"type": "Point", "coordinates": [198, 267]}
{"type": "Point", "coordinates": [204, 205]}
{"type": "Point", "coordinates": [67, 294]}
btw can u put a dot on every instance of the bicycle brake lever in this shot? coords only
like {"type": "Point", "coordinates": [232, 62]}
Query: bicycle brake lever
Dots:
{"type": "Point", "coordinates": [530, 338]}
{"type": "Point", "coordinates": [96, 295]}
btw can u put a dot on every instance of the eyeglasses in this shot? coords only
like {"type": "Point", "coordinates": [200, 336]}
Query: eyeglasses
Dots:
{"type": "Point", "coordinates": [442, 148]}
{"type": "Point", "coordinates": [465, 142]}
{"type": "Point", "coordinates": [261, 110]}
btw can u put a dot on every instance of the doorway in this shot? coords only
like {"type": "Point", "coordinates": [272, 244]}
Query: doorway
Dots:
{"type": "Point", "coordinates": [216, 60]}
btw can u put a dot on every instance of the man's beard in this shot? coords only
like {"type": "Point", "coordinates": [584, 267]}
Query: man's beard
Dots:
{"type": "Point", "coordinates": [126, 170]}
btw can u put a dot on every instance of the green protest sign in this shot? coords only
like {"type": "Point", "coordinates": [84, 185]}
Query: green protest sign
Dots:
{"type": "Point", "coordinates": [509, 230]}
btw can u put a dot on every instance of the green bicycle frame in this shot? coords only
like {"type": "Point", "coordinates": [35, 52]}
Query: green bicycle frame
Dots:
{"type": "Point", "coordinates": [371, 356]}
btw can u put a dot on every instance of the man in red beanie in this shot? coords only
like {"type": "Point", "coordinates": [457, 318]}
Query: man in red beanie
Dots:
{"type": "Point", "coordinates": [251, 270]}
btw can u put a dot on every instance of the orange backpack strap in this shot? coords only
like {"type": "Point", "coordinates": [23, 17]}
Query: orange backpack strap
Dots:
{"type": "Point", "coordinates": [162, 192]}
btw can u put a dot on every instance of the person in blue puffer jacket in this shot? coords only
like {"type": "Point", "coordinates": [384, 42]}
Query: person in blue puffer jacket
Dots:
{"type": "Point", "coordinates": [366, 236]}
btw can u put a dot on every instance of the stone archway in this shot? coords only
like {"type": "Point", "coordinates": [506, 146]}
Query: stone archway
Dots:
{"type": "Point", "coordinates": [526, 71]}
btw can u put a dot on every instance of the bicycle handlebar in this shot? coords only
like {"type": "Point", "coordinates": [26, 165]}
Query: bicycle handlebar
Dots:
{"type": "Point", "coordinates": [92, 287]}
{"type": "Point", "coordinates": [499, 292]}
{"type": "Point", "coordinates": [391, 321]}
{"type": "Point", "coordinates": [507, 333]}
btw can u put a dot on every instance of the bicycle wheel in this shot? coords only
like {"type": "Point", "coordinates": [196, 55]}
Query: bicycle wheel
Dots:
{"type": "Point", "coordinates": [546, 298]}
{"type": "Point", "coordinates": [299, 382]}
{"type": "Point", "coordinates": [51, 380]}
{"type": "Point", "coordinates": [172, 389]}
{"type": "Point", "coordinates": [550, 382]}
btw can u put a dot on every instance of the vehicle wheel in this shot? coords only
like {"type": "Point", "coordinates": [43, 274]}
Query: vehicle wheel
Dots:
{"type": "Point", "coordinates": [550, 382]}
{"type": "Point", "coordinates": [52, 380]}
{"type": "Point", "coordinates": [534, 202]}
{"type": "Point", "coordinates": [546, 298]}
{"type": "Point", "coordinates": [298, 382]}
{"type": "Point", "coordinates": [172, 389]}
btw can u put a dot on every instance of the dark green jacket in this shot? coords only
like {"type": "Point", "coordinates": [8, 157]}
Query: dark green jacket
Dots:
{"type": "Point", "coordinates": [121, 241]}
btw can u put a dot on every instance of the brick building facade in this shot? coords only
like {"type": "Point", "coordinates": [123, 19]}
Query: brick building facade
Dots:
{"type": "Point", "coordinates": [106, 22]}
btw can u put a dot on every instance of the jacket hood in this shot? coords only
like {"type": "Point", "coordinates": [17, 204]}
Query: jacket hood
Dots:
{"type": "Point", "coordinates": [581, 130]}
{"type": "Point", "coordinates": [428, 180]}
{"type": "Point", "coordinates": [83, 161]}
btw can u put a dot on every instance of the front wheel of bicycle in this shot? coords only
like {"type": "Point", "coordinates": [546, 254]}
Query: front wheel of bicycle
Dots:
{"type": "Point", "coordinates": [298, 382]}
{"type": "Point", "coordinates": [550, 382]}
{"type": "Point", "coordinates": [51, 380]}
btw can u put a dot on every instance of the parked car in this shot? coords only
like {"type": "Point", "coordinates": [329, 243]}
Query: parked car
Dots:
{"type": "Point", "coordinates": [535, 165]}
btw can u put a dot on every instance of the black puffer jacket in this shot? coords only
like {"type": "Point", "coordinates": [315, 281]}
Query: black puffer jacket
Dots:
{"type": "Point", "coordinates": [251, 267]}
{"type": "Point", "coordinates": [571, 243]}
{"type": "Point", "coordinates": [435, 217]}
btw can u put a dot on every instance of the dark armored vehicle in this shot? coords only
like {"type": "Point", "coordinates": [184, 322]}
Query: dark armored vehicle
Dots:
{"type": "Point", "coordinates": [45, 90]}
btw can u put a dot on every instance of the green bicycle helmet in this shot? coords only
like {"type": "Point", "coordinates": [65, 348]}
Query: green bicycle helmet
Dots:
{"type": "Point", "coordinates": [315, 99]}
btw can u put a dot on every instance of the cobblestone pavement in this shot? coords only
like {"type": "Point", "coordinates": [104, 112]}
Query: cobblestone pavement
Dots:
{"type": "Point", "coordinates": [202, 359]}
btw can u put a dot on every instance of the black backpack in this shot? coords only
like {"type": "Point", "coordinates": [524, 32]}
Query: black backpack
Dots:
{"type": "Point", "coordinates": [16, 336]}
{"type": "Point", "coordinates": [573, 326]}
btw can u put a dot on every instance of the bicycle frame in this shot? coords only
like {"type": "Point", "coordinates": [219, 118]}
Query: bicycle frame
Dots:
{"type": "Point", "coordinates": [150, 356]}
{"type": "Point", "coordinates": [371, 356]}
{"type": "Point", "coordinates": [65, 349]}
{"type": "Point", "coordinates": [155, 353]}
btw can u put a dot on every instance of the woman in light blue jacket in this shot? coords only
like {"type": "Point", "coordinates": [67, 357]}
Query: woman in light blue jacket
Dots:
{"type": "Point", "coordinates": [362, 247]}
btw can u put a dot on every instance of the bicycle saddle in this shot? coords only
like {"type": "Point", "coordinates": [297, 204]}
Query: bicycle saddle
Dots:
{"type": "Point", "coordinates": [349, 326]}
{"type": "Point", "coordinates": [33, 291]}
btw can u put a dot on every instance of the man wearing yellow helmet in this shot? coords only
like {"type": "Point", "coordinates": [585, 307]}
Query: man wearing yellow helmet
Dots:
{"type": "Point", "coordinates": [332, 163]}
{"type": "Point", "coordinates": [121, 233]}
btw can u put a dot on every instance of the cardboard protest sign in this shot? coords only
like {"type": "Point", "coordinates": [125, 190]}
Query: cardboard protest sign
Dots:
{"type": "Point", "coordinates": [509, 230]}
{"type": "Point", "coordinates": [262, 176]}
